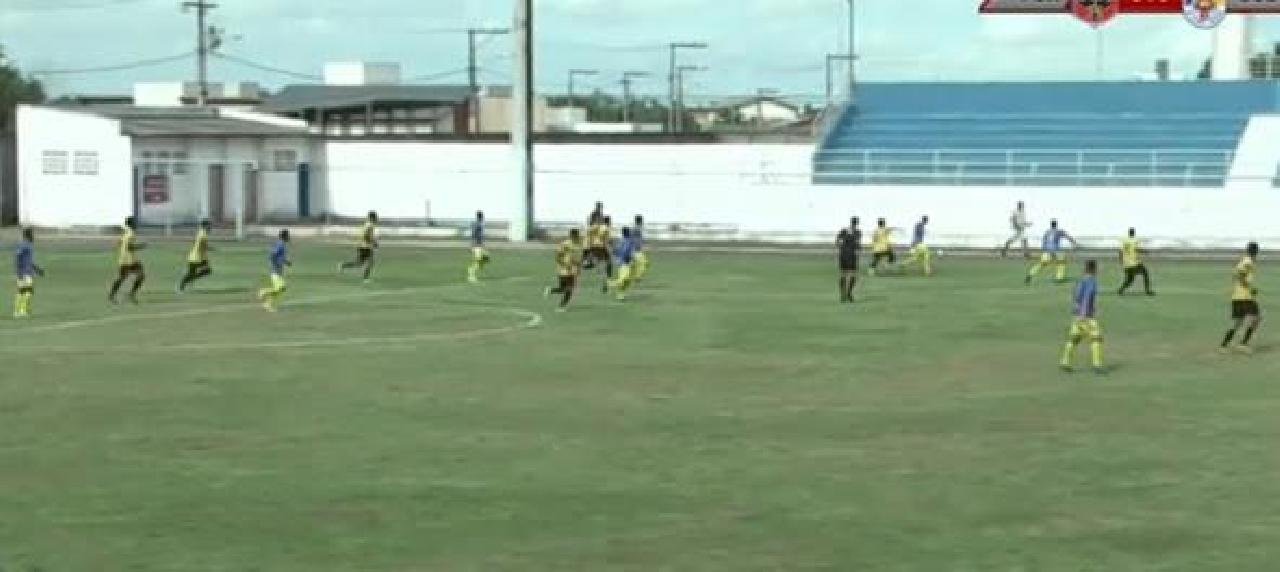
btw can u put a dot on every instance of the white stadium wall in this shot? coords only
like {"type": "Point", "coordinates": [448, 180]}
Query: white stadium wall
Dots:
{"type": "Point", "coordinates": [74, 169]}
{"type": "Point", "coordinates": [762, 192]}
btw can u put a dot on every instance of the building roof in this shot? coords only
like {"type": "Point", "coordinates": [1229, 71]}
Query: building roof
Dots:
{"type": "Point", "coordinates": [753, 101]}
{"type": "Point", "coordinates": [303, 97]}
{"type": "Point", "coordinates": [171, 121]}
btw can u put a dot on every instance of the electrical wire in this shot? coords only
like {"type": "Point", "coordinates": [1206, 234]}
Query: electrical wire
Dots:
{"type": "Point", "coordinates": [264, 67]}
{"type": "Point", "coordinates": [441, 75]}
{"type": "Point", "coordinates": [116, 67]}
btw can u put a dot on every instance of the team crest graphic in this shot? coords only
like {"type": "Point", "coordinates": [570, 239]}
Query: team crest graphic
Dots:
{"type": "Point", "coordinates": [1204, 14]}
{"type": "Point", "coordinates": [1097, 12]}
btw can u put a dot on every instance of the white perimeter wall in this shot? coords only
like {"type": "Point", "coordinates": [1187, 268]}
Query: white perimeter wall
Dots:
{"type": "Point", "coordinates": [762, 192]}
{"type": "Point", "coordinates": [71, 199]}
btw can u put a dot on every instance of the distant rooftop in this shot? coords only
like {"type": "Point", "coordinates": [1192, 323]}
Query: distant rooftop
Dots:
{"type": "Point", "coordinates": [297, 98]}
{"type": "Point", "coordinates": [168, 121]}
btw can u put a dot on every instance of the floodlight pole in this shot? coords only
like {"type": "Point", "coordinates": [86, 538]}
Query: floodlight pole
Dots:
{"type": "Point", "coordinates": [573, 74]}
{"type": "Point", "coordinates": [853, 53]}
{"type": "Point", "coordinates": [522, 123]}
{"type": "Point", "coordinates": [627, 79]}
{"type": "Point", "coordinates": [671, 79]}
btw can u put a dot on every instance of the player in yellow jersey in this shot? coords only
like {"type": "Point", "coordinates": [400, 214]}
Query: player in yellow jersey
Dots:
{"type": "Point", "coordinates": [1244, 300]}
{"type": "Point", "coordinates": [881, 247]}
{"type": "Point", "coordinates": [365, 245]}
{"type": "Point", "coordinates": [128, 263]}
{"type": "Point", "coordinates": [600, 248]}
{"type": "Point", "coordinates": [1131, 259]}
{"type": "Point", "coordinates": [198, 259]}
{"type": "Point", "coordinates": [568, 265]}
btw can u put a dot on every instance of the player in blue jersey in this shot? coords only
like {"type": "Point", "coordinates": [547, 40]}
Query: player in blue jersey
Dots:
{"type": "Point", "coordinates": [1085, 320]}
{"type": "Point", "coordinates": [26, 270]}
{"type": "Point", "coordinates": [624, 251]}
{"type": "Point", "coordinates": [279, 259]}
{"type": "Point", "coordinates": [1052, 253]}
{"type": "Point", "coordinates": [642, 255]}
{"type": "Point", "coordinates": [919, 252]}
{"type": "Point", "coordinates": [479, 255]}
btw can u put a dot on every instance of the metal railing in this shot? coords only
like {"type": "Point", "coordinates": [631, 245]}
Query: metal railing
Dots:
{"type": "Point", "coordinates": [1156, 167]}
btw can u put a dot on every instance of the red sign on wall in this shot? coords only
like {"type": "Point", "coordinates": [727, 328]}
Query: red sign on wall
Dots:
{"type": "Point", "coordinates": [155, 189]}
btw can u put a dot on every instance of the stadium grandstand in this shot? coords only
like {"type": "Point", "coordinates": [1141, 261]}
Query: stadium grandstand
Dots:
{"type": "Point", "coordinates": [1180, 134]}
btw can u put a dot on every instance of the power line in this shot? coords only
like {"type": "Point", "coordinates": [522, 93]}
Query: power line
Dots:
{"type": "Point", "coordinates": [117, 67]}
{"type": "Point", "coordinates": [265, 67]}
{"type": "Point", "coordinates": [441, 75]}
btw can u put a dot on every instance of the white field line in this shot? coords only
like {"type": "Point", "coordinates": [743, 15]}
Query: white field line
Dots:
{"type": "Point", "coordinates": [226, 308]}
{"type": "Point", "coordinates": [531, 320]}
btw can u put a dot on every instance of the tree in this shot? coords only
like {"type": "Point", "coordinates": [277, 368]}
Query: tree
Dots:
{"type": "Point", "coordinates": [15, 88]}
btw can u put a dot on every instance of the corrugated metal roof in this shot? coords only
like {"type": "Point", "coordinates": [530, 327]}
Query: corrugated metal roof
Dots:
{"type": "Point", "coordinates": [302, 97]}
{"type": "Point", "coordinates": [168, 121]}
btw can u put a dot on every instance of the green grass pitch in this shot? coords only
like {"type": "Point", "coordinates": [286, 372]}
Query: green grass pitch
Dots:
{"type": "Point", "coordinates": [729, 416]}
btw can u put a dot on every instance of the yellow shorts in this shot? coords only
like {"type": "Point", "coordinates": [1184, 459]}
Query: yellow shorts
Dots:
{"type": "Point", "coordinates": [26, 282]}
{"type": "Point", "coordinates": [479, 253]}
{"type": "Point", "coordinates": [1052, 257]}
{"type": "Point", "coordinates": [1086, 328]}
{"type": "Point", "coordinates": [920, 251]}
{"type": "Point", "coordinates": [277, 283]}
{"type": "Point", "coordinates": [624, 273]}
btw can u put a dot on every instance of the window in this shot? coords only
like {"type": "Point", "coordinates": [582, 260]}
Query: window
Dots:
{"type": "Point", "coordinates": [86, 163]}
{"type": "Point", "coordinates": [284, 160]}
{"type": "Point", "coordinates": [180, 162]}
{"type": "Point", "coordinates": [54, 162]}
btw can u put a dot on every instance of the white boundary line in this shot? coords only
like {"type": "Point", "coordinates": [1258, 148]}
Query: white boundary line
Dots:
{"type": "Point", "coordinates": [532, 320]}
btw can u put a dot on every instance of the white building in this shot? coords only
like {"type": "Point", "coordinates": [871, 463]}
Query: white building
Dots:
{"type": "Point", "coordinates": [766, 110]}
{"type": "Point", "coordinates": [95, 165]}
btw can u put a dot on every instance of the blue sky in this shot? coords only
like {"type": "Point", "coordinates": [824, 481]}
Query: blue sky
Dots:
{"type": "Point", "coordinates": [776, 44]}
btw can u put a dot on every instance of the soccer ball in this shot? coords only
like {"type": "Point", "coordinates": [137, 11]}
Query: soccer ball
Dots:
{"type": "Point", "coordinates": [940, 253]}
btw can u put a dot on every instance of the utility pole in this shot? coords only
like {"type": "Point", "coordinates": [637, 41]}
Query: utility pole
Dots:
{"type": "Point", "coordinates": [522, 123]}
{"type": "Point", "coordinates": [473, 72]}
{"type": "Point", "coordinates": [202, 8]}
{"type": "Point", "coordinates": [853, 51]}
{"type": "Point", "coordinates": [627, 79]}
{"type": "Point", "coordinates": [680, 71]}
{"type": "Point", "coordinates": [831, 59]}
{"type": "Point", "coordinates": [671, 79]}
{"type": "Point", "coordinates": [574, 74]}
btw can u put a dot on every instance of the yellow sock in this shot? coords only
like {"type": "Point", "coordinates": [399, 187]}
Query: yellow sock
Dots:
{"type": "Point", "coordinates": [642, 265]}
{"type": "Point", "coordinates": [26, 303]}
{"type": "Point", "coordinates": [1061, 273]}
{"type": "Point", "coordinates": [473, 271]}
{"type": "Point", "coordinates": [18, 300]}
{"type": "Point", "coordinates": [1069, 354]}
{"type": "Point", "coordinates": [1096, 350]}
{"type": "Point", "coordinates": [1035, 269]}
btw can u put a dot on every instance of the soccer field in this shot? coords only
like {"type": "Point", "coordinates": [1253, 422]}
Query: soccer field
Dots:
{"type": "Point", "coordinates": [730, 415]}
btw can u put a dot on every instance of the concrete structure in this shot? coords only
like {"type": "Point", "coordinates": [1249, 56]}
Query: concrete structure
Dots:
{"type": "Point", "coordinates": [765, 110]}
{"type": "Point", "coordinates": [176, 94]}
{"type": "Point", "coordinates": [398, 110]}
{"type": "Point", "coordinates": [96, 165]}
{"type": "Point", "coordinates": [361, 73]}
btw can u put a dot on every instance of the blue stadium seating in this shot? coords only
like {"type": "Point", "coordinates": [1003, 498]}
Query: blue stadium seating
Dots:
{"type": "Point", "coordinates": [1066, 133]}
